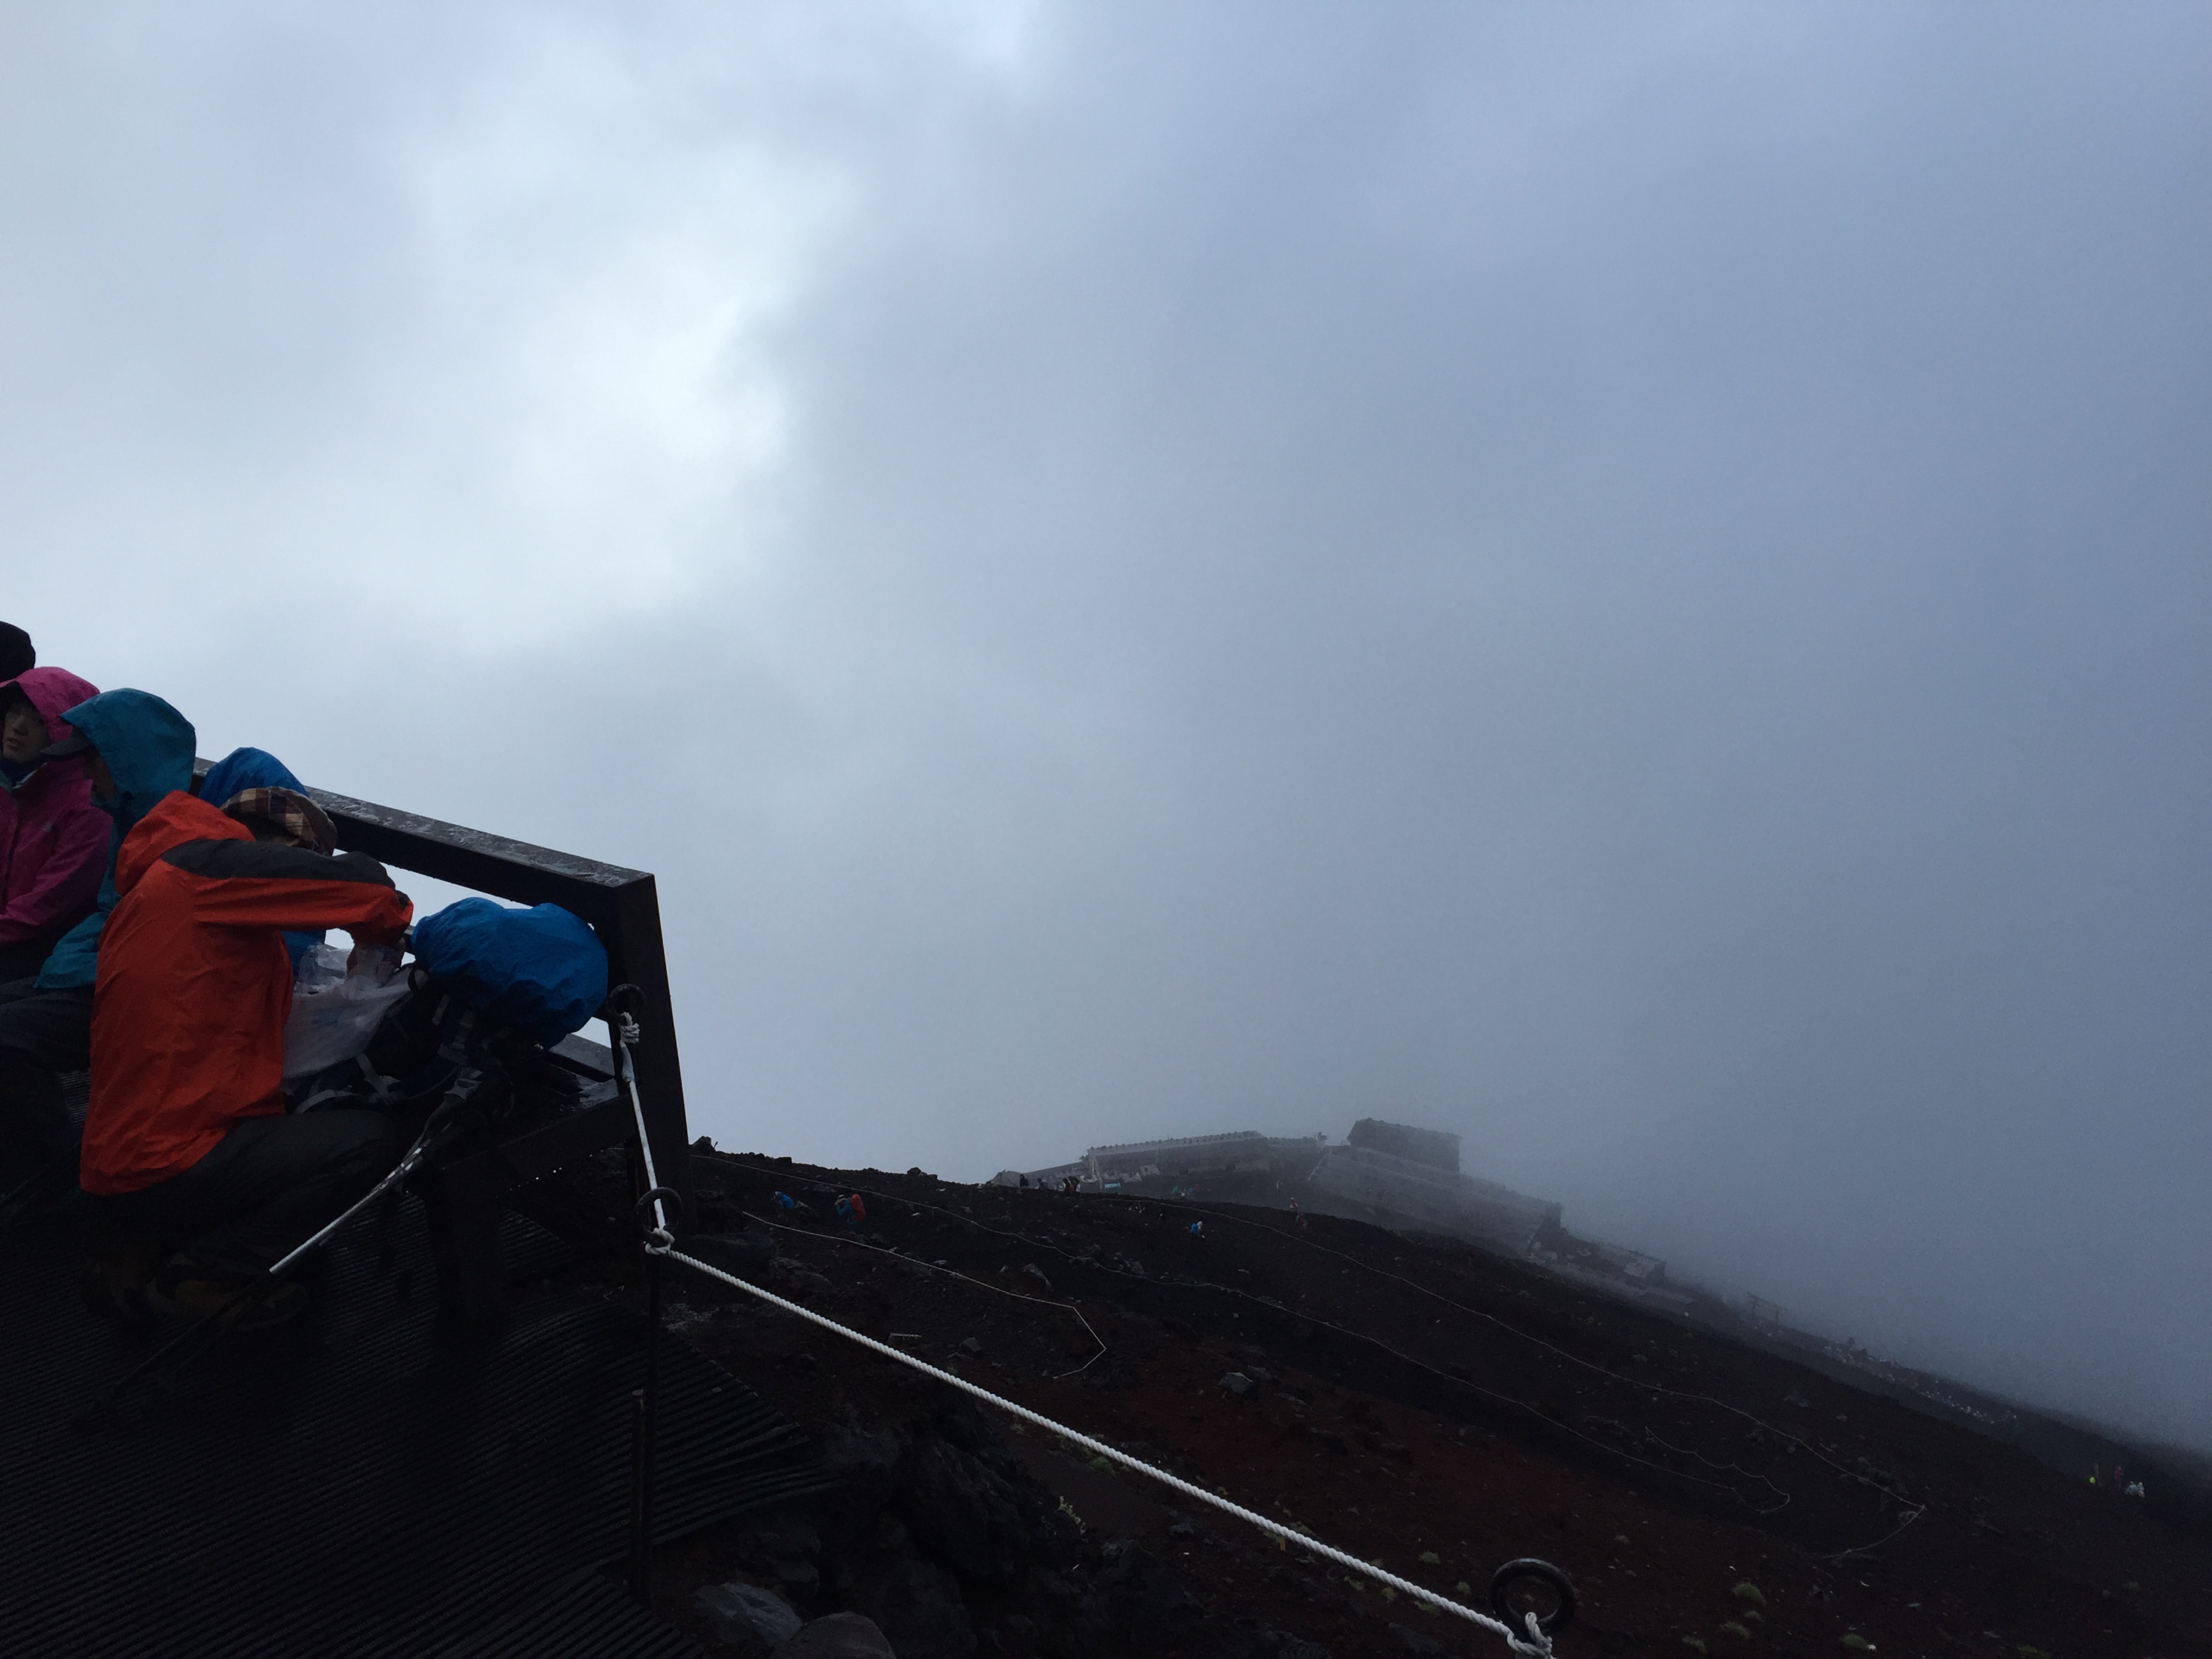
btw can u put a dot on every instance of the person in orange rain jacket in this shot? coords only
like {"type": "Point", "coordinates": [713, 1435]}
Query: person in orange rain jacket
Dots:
{"type": "Point", "coordinates": [187, 1148]}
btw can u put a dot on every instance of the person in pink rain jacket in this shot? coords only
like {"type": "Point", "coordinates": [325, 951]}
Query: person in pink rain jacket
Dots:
{"type": "Point", "coordinates": [53, 840]}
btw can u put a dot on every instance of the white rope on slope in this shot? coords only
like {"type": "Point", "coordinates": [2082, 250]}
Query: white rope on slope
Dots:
{"type": "Point", "coordinates": [964, 1279]}
{"type": "Point", "coordinates": [624, 1028]}
{"type": "Point", "coordinates": [1536, 1644]}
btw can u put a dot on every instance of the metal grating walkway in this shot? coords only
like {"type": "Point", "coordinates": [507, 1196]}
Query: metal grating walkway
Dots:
{"type": "Point", "coordinates": [370, 1485]}
{"type": "Point", "coordinates": [589, 1617]}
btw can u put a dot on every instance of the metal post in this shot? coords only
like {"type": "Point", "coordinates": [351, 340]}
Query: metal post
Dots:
{"type": "Point", "coordinates": [640, 1578]}
{"type": "Point", "coordinates": [644, 1410]}
{"type": "Point", "coordinates": [632, 932]}
{"type": "Point", "coordinates": [654, 1241]}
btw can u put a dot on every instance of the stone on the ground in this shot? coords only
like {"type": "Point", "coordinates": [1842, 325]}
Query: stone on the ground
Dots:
{"type": "Point", "coordinates": [1136, 1599]}
{"type": "Point", "coordinates": [796, 1276]}
{"type": "Point", "coordinates": [840, 1636]}
{"type": "Point", "coordinates": [917, 1606]}
{"type": "Point", "coordinates": [784, 1547]}
{"type": "Point", "coordinates": [1237, 1383]}
{"type": "Point", "coordinates": [749, 1255]}
{"type": "Point", "coordinates": [753, 1621]}
{"type": "Point", "coordinates": [966, 1515]}
{"type": "Point", "coordinates": [1414, 1642]}
{"type": "Point", "coordinates": [781, 1536]}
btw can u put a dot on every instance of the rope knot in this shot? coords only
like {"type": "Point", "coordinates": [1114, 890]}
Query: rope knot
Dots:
{"type": "Point", "coordinates": [1538, 1646]}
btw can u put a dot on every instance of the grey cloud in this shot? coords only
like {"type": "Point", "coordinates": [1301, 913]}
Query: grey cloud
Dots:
{"type": "Point", "coordinates": [1631, 584]}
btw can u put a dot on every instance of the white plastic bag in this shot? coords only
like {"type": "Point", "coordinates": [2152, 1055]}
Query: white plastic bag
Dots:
{"type": "Point", "coordinates": [334, 1013]}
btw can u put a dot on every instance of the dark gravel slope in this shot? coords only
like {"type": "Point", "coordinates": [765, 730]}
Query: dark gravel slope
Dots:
{"type": "Point", "coordinates": [1416, 1401]}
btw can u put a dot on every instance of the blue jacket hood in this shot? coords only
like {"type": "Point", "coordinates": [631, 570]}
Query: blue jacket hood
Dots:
{"type": "Point", "coordinates": [148, 746]}
{"type": "Point", "coordinates": [245, 768]}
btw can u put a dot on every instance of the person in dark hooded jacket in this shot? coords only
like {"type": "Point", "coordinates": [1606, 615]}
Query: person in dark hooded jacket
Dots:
{"type": "Point", "coordinates": [188, 1152]}
{"type": "Point", "coordinates": [17, 655]}
{"type": "Point", "coordinates": [53, 840]}
{"type": "Point", "coordinates": [137, 749]}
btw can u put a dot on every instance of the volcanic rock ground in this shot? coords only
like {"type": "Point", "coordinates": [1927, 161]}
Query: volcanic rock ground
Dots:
{"type": "Point", "coordinates": [1417, 1401]}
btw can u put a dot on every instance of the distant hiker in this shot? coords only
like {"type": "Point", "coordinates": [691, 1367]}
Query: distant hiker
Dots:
{"type": "Point", "coordinates": [17, 656]}
{"type": "Point", "coordinates": [196, 1180]}
{"type": "Point", "coordinates": [137, 750]}
{"type": "Point", "coordinates": [53, 839]}
{"type": "Point", "coordinates": [1069, 1186]}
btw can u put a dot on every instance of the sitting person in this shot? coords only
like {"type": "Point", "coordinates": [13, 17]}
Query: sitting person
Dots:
{"type": "Point", "coordinates": [53, 840]}
{"type": "Point", "coordinates": [137, 750]}
{"type": "Point", "coordinates": [187, 1148]}
{"type": "Point", "coordinates": [242, 769]}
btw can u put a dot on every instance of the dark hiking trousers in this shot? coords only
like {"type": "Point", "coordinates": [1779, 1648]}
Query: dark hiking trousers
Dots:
{"type": "Point", "coordinates": [23, 959]}
{"type": "Point", "coordinates": [263, 1190]}
{"type": "Point", "coordinates": [42, 1036]}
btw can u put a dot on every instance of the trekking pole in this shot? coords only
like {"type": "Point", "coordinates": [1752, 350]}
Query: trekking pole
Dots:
{"type": "Point", "coordinates": [201, 1334]}
{"type": "Point", "coordinates": [16, 1194]}
{"type": "Point", "coordinates": [409, 1161]}
{"type": "Point", "coordinates": [657, 1241]}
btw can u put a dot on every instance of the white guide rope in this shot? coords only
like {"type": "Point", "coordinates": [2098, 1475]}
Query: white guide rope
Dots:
{"type": "Point", "coordinates": [658, 1238]}
{"type": "Point", "coordinates": [1536, 1644]}
{"type": "Point", "coordinates": [660, 1243]}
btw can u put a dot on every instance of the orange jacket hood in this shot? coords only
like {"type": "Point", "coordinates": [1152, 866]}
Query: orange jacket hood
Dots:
{"type": "Point", "coordinates": [177, 817]}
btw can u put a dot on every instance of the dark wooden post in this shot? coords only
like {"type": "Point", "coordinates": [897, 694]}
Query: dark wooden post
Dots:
{"type": "Point", "coordinates": [635, 956]}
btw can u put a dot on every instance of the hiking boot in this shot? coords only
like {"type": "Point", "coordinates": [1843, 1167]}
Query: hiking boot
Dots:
{"type": "Point", "coordinates": [30, 1189]}
{"type": "Point", "coordinates": [113, 1282]}
{"type": "Point", "coordinates": [186, 1290]}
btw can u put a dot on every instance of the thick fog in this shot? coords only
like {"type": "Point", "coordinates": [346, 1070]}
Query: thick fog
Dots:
{"type": "Point", "coordinates": [1629, 582]}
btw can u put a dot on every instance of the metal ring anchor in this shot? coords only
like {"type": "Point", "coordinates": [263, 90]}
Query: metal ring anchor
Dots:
{"type": "Point", "coordinates": [667, 1195]}
{"type": "Point", "coordinates": [659, 1235]}
{"type": "Point", "coordinates": [1527, 1586]}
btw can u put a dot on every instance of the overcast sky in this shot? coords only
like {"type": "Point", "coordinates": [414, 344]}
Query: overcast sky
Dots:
{"type": "Point", "coordinates": [1630, 582]}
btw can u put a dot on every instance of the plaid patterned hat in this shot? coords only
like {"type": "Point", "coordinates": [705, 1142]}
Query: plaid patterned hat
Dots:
{"type": "Point", "coordinates": [304, 824]}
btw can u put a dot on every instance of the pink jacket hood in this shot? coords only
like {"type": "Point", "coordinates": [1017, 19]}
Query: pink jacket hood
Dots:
{"type": "Point", "coordinates": [54, 692]}
{"type": "Point", "coordinates": [54, 840]}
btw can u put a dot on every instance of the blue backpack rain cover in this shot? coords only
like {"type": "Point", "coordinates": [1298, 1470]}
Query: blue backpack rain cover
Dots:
{"type": "Point", "coordinates": [542, 971]}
